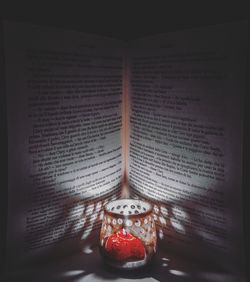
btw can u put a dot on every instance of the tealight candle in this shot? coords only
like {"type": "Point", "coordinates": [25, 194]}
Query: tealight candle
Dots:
{"type": "Point", "coordinates": [128, 233]}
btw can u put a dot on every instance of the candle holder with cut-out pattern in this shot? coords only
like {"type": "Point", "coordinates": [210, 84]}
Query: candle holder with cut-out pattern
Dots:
{"type": "Point", "coordinates": [128, 234]}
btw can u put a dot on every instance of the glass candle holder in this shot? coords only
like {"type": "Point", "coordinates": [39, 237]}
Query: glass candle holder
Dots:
{"type": "Point", "coordinates": [128, 233]}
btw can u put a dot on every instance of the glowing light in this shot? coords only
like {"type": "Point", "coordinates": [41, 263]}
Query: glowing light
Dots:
{"type": "Point", "coordinates": [105, 202]}
{"type": "Point", "coordinates": [87, 249]}
{"type": "Point", "coordinates": [90, 209]}
{"type": "Point", "coordinates": [155, 217]}
{"type": "Point", "coordinates": [93, 217]}
{"type": "Point", "coordinates": [101, 215]}
{"type": "Point", "coordinates": [178, 226]}
{"type": "Point", "coordinates": [156, 209]}
{"type": "Point", "coordinates": [179, 213]}
{"type": "Point", "coordinates": [128, 222]}
{"type": "Point", "coordinates": [98, 206]}
{"type": "Point", "coordinates": [71, 273]}
{"type": "Point", "coordinates": [161, 235]}
{"type": "Point", "coordinates": [162, 220]}
{"type": "Point", "coordinates": [87, 232]}
{"type": "Point", "coordinates": [79, 224]}
{"type": "Point", "coordinates": [177, 272]}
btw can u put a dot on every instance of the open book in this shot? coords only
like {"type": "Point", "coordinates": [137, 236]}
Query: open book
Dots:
{"type": "Point", "coordinates": [91, 119]}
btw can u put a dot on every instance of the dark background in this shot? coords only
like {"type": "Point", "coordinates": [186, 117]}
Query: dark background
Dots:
{"type": "Point", "coordinates": [126, 20]}
{"type": "Point", "coordinates": [123, 19]}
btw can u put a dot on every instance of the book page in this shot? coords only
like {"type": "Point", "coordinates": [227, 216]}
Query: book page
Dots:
{"type": "Point", "coordinates": [64, 92]}
{"type": "Point", "coordinates": [186, 133]}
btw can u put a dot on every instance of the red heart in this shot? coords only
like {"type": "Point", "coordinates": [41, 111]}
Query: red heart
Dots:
{"type": "Point", "coordinates": [123, 246]}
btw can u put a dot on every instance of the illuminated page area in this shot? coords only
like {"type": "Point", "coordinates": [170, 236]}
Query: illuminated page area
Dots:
{"type": "Point", "coordinates": [64, 92]}
{"type": "Point", "coordinates": [185, 150]}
